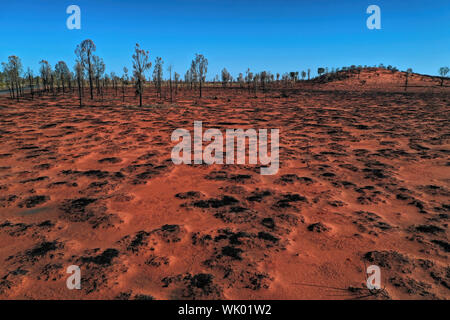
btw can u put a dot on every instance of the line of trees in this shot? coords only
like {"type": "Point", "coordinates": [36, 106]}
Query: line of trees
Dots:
{"type": "Point", "coordinates": [89, 70]}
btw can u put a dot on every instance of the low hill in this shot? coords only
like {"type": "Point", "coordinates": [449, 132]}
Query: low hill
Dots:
{"type": "Point", "coordinates": [379, 78]}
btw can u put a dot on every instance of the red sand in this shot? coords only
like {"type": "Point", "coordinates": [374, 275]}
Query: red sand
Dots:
{"type": "Point", "coordinates": [364, 179]}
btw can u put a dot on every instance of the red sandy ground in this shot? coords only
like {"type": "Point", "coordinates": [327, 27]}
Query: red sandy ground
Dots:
{"type": "Point", "coordinates": [364, 179]}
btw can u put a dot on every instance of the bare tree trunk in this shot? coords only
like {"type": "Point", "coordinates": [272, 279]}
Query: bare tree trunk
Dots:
{"type": "Point", "coordinates": [11, 88]}
{"type": "Point", "coordinates": [52, 84]}
{"type": "Point", "coordinates": [90, 77]}
{"type": "Point", "coordinates": [170, 84]}
{"type": "Point", "coordinates": [79, 92]}
{"type": "Point", "coordinates": [140, 92]}
{"type": "Point", "coordinates": [97, 81]}
{"type": "Point", "coordinates": [30, 78]}
{"type": "Point", "coordinates": [102, 88]}
{"type": "Point", "coordinates": [17, 91]}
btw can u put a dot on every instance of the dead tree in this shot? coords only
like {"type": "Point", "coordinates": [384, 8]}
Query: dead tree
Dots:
{"type": "Point", "coordinates": [85, 51]}
{"type": "Point", "coordinates": [177, 78]}
{"type": "Point", "coordinates": [79, 75]}
{"type": "Point", "coordinates": [443, 72]}
{"type": "Point", "coordinates": [241, 80]}
{"type": "Point", "coordinates": [303, 75]}
{"type": "Point", "coordinates": [188, 78]}
{"type": "Point", "coordinates": [158, 74]}
{"type": "Point", "coordinates": [29, 75]}
{"type": "Point", "coordinates": [13, 69]}
{"type": "Point", "coordinates": [62, 72]}
{"type": "Point", "coordinates": [226, 76]}
{"type": "Point", "coordinates": [114, 80]}
{"type": "Point", "coordinates": [249, 79]}
{"type": "Point", "coordinates": [170, 82]}
{"type": "Point", "coordinates": [407, 74]}
{"type": "Point", "coordinates": [45, 71]}
{"type": "Point", "coordinates": [124, 81]}
{"type": "Point", "coordinates": [10, 75]}
{"type": "Point", "coordinates": [140, 65]}
{"type": "Point", "coordinates": [98, 67]}
{"type": "Point", "coordinates": [201, 68]}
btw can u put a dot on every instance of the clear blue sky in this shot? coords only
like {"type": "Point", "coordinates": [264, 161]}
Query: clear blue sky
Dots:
{"type": "Point", "coordinates": [278, 36]}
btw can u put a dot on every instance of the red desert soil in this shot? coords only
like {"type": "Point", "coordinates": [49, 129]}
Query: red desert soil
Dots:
{"type": "Point", "coordinates": [364, 179]}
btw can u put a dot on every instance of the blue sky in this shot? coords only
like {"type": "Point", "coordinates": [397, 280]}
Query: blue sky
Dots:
{"type": "Point", "coordinates": [278, 36]}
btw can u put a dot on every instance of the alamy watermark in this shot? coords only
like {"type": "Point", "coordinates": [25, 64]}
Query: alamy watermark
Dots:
{"type": "Point", "coordinates": [213, 153]}
{"type": "Point", "coordinates": [74, 20]}
{"type": "Point", "coordinates": [374, 20]}
{"type": "Point", "coordinates": [374, 277]}
{"type": "Point", "coordinates": [74, 280]}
